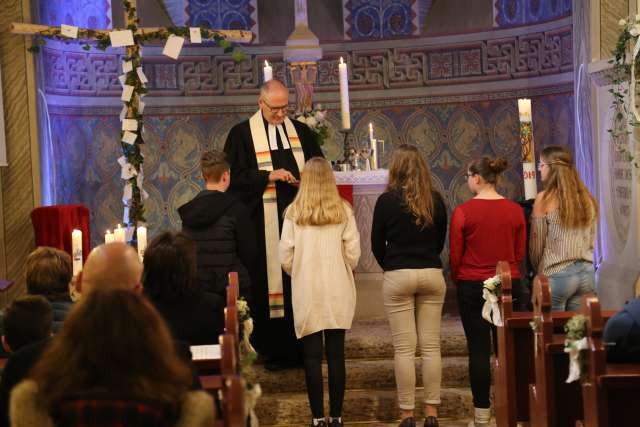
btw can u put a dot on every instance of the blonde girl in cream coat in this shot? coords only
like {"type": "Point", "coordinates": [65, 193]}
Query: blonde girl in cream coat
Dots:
{"type": "Point", "coordinates": [319, 248]}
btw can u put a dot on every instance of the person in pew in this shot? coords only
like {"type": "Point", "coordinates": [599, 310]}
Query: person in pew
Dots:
{"type": "Point", "coordinates": [220, 225]}
{"type": "Point", "coordinates": [113, 363]}
{"type": "Point", "coordinates": [484, 230]}
{"type": "Point", "coordinates": [407, 235]}
{"type": "Point", "coordinates": [27, 320]}
{"type": "Point", "coordinates": [168, 278]}
{"type": "Point", "coordinates": [110, 266]}
{"type": "Point", "coordinates": [622, 334]}
{"type": "Point", "coordinates": [319, 248]}
{"type": "Point", "coordinates": [563, 230]}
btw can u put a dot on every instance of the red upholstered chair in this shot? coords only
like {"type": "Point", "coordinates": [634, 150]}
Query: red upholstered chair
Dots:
{"type": "Point", "coordinates": [53, 226]}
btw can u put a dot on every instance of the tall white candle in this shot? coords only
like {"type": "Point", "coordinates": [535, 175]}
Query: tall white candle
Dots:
{"type": "Point", "coordinates": [119, 234]}
{"type": "Point", "coordinates": [142, 240]}
{"type": "Point", "coordinates": [267, 71]}
{"type": "Point", "coordinates": [370, 131]}
{"type": "Point", "coordinates": [344, 95]}
{"type": "Point", "coordinates": [76, 251]}
{"type": "Point", "coordinates": [528, 157]}
{"type": "Point", "coordinates": [109, 237]}
{"type": "Point", "coordinates": [524, 110]}
{"type": "Point", "coordinates": [374, 154]}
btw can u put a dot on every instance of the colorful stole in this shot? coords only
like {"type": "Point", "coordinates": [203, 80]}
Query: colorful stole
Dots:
{"type": "Point", "coordinates": [269, 201]}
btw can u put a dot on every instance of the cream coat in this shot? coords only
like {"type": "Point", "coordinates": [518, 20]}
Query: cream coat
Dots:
{"type": "Point", "coordinates": [320, 260]}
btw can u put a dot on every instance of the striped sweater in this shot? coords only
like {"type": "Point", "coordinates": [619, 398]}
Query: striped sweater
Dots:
{"type": "Point", "coordinates": [553, 247]}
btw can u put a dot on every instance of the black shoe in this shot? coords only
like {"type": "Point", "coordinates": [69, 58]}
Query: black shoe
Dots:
{"type": "Point", "coordinates": [320, 424]}
{"type": "Point", "coordinates": [431, 421]}
{"type": "Point", "coordinates": [336, 423]}
{"type": "Point", "coordinates": [408, 422]}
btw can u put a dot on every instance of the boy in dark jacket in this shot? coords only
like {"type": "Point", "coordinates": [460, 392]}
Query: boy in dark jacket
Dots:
{"type": "Point", "coordinates": [220, 225]}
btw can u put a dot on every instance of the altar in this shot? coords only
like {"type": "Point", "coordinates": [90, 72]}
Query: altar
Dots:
{"type": "Point", "coordinates": [362, 189]}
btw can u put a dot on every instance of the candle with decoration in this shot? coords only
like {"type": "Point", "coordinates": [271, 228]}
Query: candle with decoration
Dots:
{"type": "Point", "coordinates": [528, 155]}
{"type": "Point", "coordinates": [141, 234]}
{"type": "Point", "coordinates": [344, 95]}
{"type": "Point", "coordinates": [119, 234]}
{"type": "Point", "coordinates": [76, 251]}
{"type": "Point", "coordinates": [267, 71]}
{"type": "Point", "coordinates": [109, 237]}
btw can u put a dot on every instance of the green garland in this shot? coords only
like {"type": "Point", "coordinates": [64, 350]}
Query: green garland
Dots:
{"type": "Point", "coordinates": [132, 151]}
{"type": "Point", "coordinates": [624, 116]}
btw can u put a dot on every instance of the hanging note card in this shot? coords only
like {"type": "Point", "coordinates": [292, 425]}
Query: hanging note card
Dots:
{"type": "Point", "coordinates": [141, 75]}
{"type": "Point", "coordinates": [141, 106]}
{"type": "Point", "coordinates": [123, 112]}
{"type": "Point", "coordinates": [129, 137]}
{"type": "Point", "coordinates": [127, 91]}
{"type": "Point", "coordinates": [121, 38]}
{"type": "Point", "coordinates": [195, 35]}
{"type": "Point", "coordinates": [69, 31]}
{"type": "Point", "coordinates": [173, 47]}
{"type": "Point", "coordinates": [127, 66]}
{"type": "Point", "coordinates": [130, 124]}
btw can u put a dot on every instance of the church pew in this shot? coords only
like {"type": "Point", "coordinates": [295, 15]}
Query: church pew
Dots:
{"type": "Point", "coordinates": [514, 364]}
{"type": "Point", "coordinates": [233, 289]}
{"type": "Point", "coordinates": [552, 402]}
{"type": "Point", "coordinates": [610, 391]}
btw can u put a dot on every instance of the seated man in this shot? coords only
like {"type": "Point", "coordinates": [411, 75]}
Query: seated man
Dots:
{"type": "Point", "coordinates": [27, 320]}
{"type": "Point", "coordinates": [220, 225]}
{"type": "Point", "coordinates": [622, 334]}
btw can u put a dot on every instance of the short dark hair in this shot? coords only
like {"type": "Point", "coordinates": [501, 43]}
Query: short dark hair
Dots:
{"type": "Point", "coordinates": [213, 164]}
{"type": "Point", "coordinates": [28, 319]}
{"type": "Point", "coordinates": [49, 272]}
{"type": "Point", "coordinates": [169, 266]}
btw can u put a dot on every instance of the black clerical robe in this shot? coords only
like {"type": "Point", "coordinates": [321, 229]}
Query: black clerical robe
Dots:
{"type": "Point", "coordinates": [273, 338]}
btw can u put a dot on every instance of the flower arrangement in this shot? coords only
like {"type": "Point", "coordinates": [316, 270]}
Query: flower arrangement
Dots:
{"type": "Point", "coordinates": [248, 356]}
{"type": "Point", "coordinates": [317, 121]}
{"type": "Point", "coordinates": [490, 309]}
{"type": "Point", "coordinates": [625, 112]}
{"type": "Point", "coordinates": [574, 343]}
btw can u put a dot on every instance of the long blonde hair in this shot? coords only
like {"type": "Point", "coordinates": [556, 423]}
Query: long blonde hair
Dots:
{"type": "Point", "coordinates": [318, 201]}
{"type": "Point", "coordinates": [564, 185]}
{"type": "Point", "coordinates": [409, 174]}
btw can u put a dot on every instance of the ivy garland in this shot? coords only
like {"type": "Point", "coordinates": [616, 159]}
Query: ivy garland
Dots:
{"type": "Point", "coordinates": [132, 152]}
{"type": "Point", "coordinates": [622, 68]}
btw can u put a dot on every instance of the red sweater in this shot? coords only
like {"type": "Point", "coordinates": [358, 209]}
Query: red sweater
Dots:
{"type": "Point", "coordinates": [484, 232]}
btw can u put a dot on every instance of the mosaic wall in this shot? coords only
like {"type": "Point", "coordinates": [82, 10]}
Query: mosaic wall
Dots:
{"type": "Point", "coordinates": [521, 12]}
{"type": "Point", "coordinates": [379, 19]}
{"type": "Point", "coordinates": [81, 13]}
{"type": "Point", "coordinates": [85, 149]}
{"type": "Point", "coordinates": [224, 14]}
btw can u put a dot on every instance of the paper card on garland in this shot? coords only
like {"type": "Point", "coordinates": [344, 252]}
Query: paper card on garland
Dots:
{"type": "Point", "coordinates": [121, 38]}
{"type": "Point", "coordinates": [130, 124]}
{"type": "Point", "coordinates": [141, 75]}
{"type": "Point", "coordinates": [129, 137]}
{"type": "Point", "coordinates": [127, 91]}
{"type": "Point", "coordinates": [69, 31]}
{"type": "Point", "coordinates": [123, 112]}
{"type": "Point", "coordinates": [127, 66]}
{"type": "Point", "coordinates": [173, 46]}
{"type": "Point", "coordinates": [127, 193]}
{"type": "Point", "coordinates": [141, 106]}
{"type": "Point", "coordinates": [195, 35]}
{"type": "Point", "coordinates": [123, 79]}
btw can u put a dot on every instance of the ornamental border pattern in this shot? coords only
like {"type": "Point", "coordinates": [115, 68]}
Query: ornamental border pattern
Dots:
{"type": "Point", "coordinates": [91, 74]}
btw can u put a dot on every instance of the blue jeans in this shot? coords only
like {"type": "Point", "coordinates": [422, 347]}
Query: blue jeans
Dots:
{"type": "Point", "coordinates": [570, 285]}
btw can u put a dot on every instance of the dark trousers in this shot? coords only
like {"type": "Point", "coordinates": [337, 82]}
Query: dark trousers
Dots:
{"type": "Point", "coordinates": [334, 343]}
{"type": "Point", "coordinates": [479, 334]}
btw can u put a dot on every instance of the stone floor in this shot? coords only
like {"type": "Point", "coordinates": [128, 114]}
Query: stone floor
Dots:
{"type": "Point", "coordinates": [370, 398]}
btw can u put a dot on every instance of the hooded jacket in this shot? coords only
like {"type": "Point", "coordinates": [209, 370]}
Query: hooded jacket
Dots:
{"type": "Point", "coordinates": [220, 225]}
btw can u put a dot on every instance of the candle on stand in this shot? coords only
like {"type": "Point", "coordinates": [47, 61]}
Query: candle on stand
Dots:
{"type": "Point", "coordinates": [344, 94]}
{"type": "Point", "coordinates": [370, 131]}
{"type": "Point", "coordinates": [76, 251]}
{"type": "Point", "coordinates": [267, 71]}
{"type": "Point", "coordinates": [142, 241]}
{"type": "Point", "coordinates": [119, 234]}
{"type": "Point", "coordinates": [109, 237]}
{"type": "Point", "coordinates": [528, 156]}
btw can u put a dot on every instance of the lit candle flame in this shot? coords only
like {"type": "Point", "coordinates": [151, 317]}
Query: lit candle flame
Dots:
{"type": "Point", "coordinates": [341, 61]}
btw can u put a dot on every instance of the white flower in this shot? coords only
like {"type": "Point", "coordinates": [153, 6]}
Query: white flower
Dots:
{"type": "Point", "coordinates": [311, 121]}
{"type": "Point", "coordinates": [635, 30]}
{"type": "Point", "coordinates": [492, 283]}
{"type": "Point", "coordinates": [241, 305]}
{"type": "Point", "coordinates": [301, 119]}
{"type": "Point", "coordinates": [622, 22]}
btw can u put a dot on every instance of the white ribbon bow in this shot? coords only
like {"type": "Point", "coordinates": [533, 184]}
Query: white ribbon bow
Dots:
{"type": "Point", "coordinates": [248, 329]}
{"type": "Point", "coordinates": [491, 309]}
{"type": "Point", "coordinates": [574, 348]}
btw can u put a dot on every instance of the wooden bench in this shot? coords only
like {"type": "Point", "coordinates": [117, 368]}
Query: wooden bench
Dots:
{"type": "Point", "coordinates": [610, 391]}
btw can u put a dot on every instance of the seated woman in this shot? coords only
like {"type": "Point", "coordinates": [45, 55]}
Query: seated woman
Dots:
{"type": "Point", "coordinates": [113, 363]}
{"type": "Point", "coordinates": [193, 315]}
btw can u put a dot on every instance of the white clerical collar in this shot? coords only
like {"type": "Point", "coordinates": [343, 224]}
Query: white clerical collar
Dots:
{"type": "Point", "coordinates": [273, 141]}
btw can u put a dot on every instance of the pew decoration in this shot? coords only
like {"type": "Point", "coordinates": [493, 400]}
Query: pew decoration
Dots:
{"type": "Point", "coordinates": [248, 356]}
{"type": "Point", "coordinates": [575, 342]}
{"type": "Point", "coordinates": [491, 309]}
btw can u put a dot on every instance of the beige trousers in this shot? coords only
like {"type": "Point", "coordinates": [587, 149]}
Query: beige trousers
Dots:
{"type": "Point", "coordinates": [413, 301]}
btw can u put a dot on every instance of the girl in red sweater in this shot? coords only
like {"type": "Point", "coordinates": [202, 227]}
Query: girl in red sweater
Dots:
{"type": "Point", "coordinates": [484, 230]}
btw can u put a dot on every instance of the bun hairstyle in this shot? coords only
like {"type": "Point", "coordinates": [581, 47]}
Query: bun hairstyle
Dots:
{"type": "Point", "coordinates": [489, 168]}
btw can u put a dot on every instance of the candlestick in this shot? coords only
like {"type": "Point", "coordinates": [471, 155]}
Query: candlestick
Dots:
{"type": "Point", "coordinates": [344, 95]}
{"type": "Point", "coordinates": [267, 71]}
{"type": "Point", "coordinates": [76, 250]}
{"type": "Point", "coordinates": [119, 234]}
{"type": "Point", "coordinates": [109, 237]}
{"type": "Point", "coordinates": [374, 154]}
{"type": "Point", "coordinates": [142, 240]}
{"type": "Point", "coordinates": [528, 156]}
{"type": "Point", "coordinates": [370, 131]}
